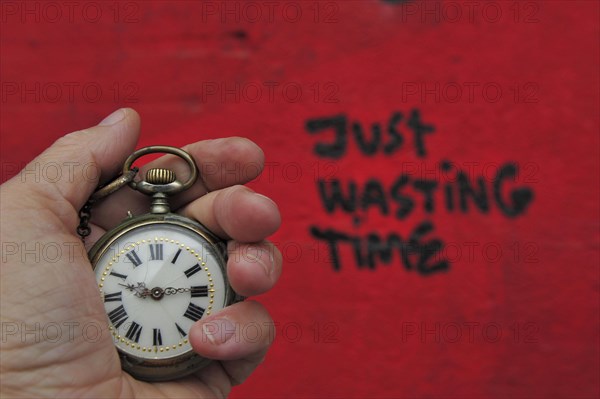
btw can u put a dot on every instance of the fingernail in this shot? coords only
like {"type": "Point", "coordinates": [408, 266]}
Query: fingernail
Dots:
{"type": "Point", "coordinates": [264, 196]}
{"type": "Point", "coordinates": [113, 118]}
{"type": "Point", "coordinates": [218, 331]}
{"type": "Point", "coordinates": [261, 256]}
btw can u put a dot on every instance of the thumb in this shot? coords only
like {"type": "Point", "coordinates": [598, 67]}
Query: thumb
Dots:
{"type": "Point", "coordinates": [72, 167]}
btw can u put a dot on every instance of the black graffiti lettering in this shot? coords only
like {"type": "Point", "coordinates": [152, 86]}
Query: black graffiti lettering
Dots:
{"type": "Point", "coordinates": [332, 195]}
{"type": "Point", "coordinates": [373, 195]}
{"type": "Point", "coordinates": [427, 187]}
{"type": "Point", "coordinates": [382, 250]}
{"type": "Point", "coordinates": [520, 197]}
{"type": "Point", "coordinates": [396, 139]}
{"type": "Point", "coordinates": [454, 190]}
{"type": "Point", "coordinates": [466, 191]}
{"type": "Point", "coordinates": [331, 237]}
{"type": "Point", "coordinates": [368, 148]}
{"type": "Point", "coordinates": [405, 195]}
{"type": "Point", "coordinates": [446, 166]}
{"type": "Point", "coordinates": [368, 144]}
{"type": "Point", "coordinates": [405, 203]}
{"type": "Point", "coordinates": [420, 129]}
{"type": "Point", "coordinates": [371, 251]}
{"type": "Point", "coordinates": [330, 150]}
{"type": "Point", "coordinates": [426, 250]}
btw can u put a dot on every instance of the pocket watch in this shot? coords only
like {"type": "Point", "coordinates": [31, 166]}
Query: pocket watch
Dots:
{"type": "Point", "coordinates": [157, 274]}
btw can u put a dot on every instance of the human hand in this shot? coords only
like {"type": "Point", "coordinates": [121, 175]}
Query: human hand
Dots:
{"type": "Point", "coordinates": [48, 287]}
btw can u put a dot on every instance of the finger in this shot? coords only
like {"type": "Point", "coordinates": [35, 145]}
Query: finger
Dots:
{"type": "Point", "coordinates": [236, 213]}
{"type": "Point", "coordinates": [96, 233]}
{"type": "Point", "coordinates": [83, 158]}
{"type": "Point", "coordinates": [221, 163]}
{"type": "Point", "coordinates": [241, 331]}
{"type": "Point", "coordinates": [253, 269]}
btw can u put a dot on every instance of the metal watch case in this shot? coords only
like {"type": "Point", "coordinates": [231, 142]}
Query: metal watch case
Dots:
{"type": "Point", "coordinates": [189, 362]}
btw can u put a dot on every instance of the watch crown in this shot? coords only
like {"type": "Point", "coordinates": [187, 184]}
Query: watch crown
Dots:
{"type": "Point", "coordinates": [160, 176]}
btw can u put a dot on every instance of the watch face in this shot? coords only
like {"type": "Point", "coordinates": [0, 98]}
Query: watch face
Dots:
{"type": "Point", "coordinates": [156, 281]}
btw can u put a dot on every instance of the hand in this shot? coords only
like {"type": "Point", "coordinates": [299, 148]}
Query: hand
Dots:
{"type": "Point", "coordinates": [48, 291]}
{"type": "Point", "coordinates": [140, 289]}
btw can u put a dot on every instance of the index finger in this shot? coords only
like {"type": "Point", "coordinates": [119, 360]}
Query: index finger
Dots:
{"type": "Point", "coordinates": [221, 163]}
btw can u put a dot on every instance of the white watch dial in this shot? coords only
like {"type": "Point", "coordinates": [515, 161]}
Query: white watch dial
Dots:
{"type": "Point", "coordinates": [156, 281]}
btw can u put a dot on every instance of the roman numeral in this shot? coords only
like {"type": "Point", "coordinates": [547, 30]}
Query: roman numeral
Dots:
{"type": "Point", "coordinates": [192, 270]}
{"type": "Point", "coordinates": [113, 297]}
{"type": "Point", "coordinates": [200, 290]}
{"type": "Point", "coordinates": [194, 312]}
{"type": "Point", "coordinates": [176, 256]}
{"type": "Point", "coordinates": [156, 252]}
{"type": "Point", "coordinates": [134, 258]}
{"type": "Point", "coordinates": [119, 275]}
{"type": "Point", "coordinates": [181, 331]}
{"type": "Point", "coordinates": [157, 338]}
{"type": "Point", "coordinates": [118, 316]}
{"type": "Point", "coordinates": [134, 332]}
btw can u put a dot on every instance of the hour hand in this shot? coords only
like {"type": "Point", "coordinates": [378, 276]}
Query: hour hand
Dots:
{"type": "Point", "coordinates": [140, 289]}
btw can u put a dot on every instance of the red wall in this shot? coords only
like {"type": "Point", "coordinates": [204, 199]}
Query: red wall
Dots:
{"type": "Point", "coordinates": [507, 305]}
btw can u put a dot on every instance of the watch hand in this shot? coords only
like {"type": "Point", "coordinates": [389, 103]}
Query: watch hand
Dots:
{"type": "Point", "coordinates": [140, 290]}
{"type": "Point", "coordinates": [156, 293]}
{"type": "Point", "coordinates": [171, 290]}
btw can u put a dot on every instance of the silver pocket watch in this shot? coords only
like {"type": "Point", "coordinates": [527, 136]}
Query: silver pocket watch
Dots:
{"type": "Point", "coordinates": [157, 274]}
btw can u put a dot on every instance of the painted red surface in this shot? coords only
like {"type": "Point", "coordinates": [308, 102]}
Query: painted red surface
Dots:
{"type": "Point", "coordinates": [516, 314]}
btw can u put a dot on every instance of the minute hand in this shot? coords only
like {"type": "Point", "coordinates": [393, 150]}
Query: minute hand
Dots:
{"type": "Point", "coordinates": [196, 291]}
{"type": "Point", "coordinates": [172, 291]}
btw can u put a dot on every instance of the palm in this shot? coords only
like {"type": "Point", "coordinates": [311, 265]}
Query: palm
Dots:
{"type": "Point", "coordinates": [55, 340]}
{"type": "Point", "coordinates": [68, 339]}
